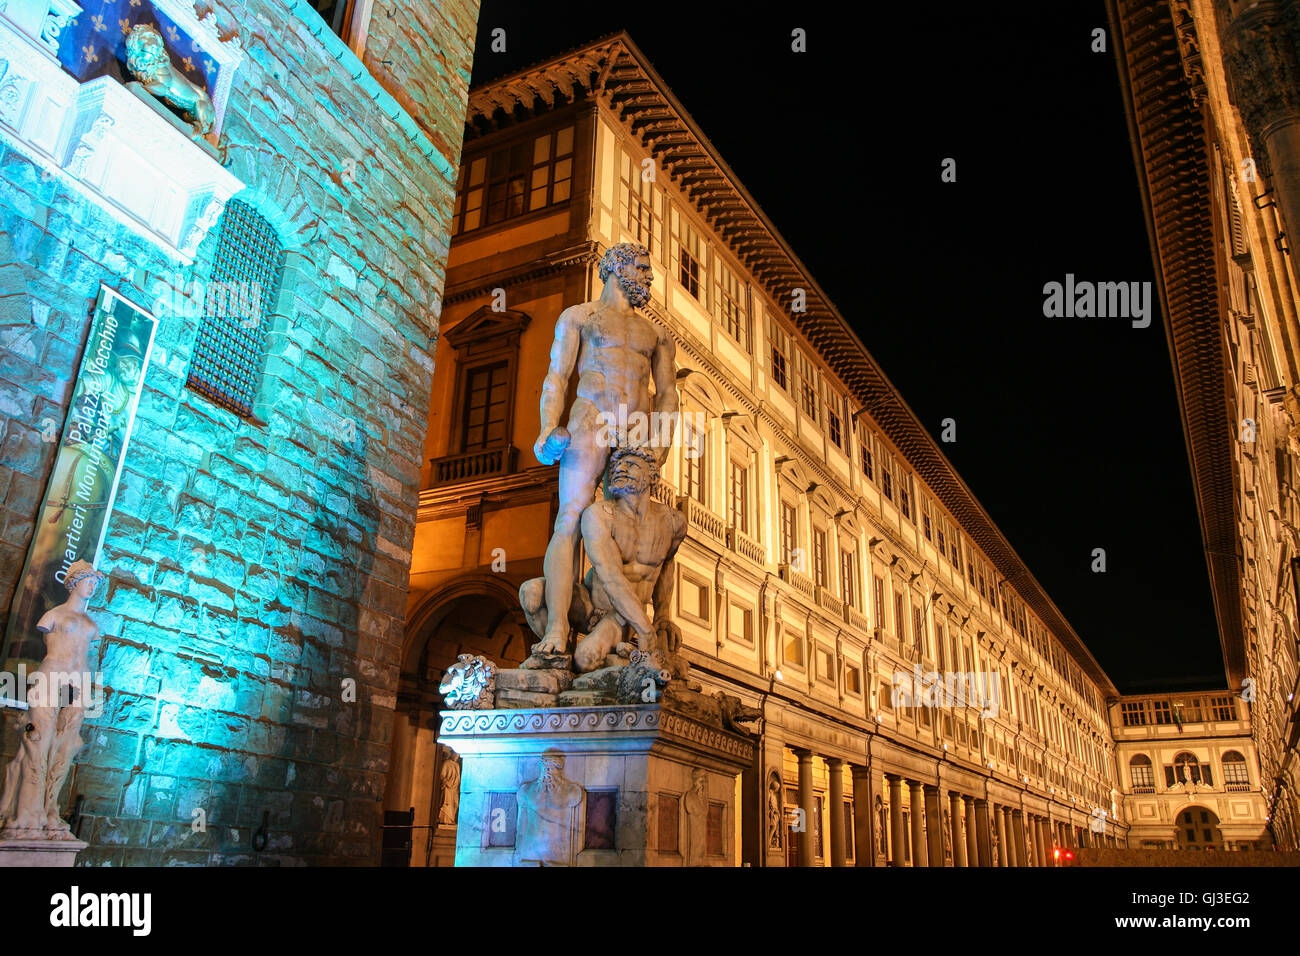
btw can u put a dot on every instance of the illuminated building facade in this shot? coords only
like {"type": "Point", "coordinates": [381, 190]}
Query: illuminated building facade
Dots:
{"type": "Point", "coordinates": [1214, 110]}
{"type": "Point", "coordinates": [829, 538]}
{"type": "Point", "coordinates": [1189, 772]}
{"type": "Point", "coordinates": [259, 540]}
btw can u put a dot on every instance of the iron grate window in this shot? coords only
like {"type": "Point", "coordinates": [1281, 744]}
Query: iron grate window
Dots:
{"type": "Point", "coordinates": [231, 344]}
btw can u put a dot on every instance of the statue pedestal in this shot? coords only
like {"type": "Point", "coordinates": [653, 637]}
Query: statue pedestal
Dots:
{"type": "Point", "coordinates": [14, 852]}
{"type": "Point", "coordinates": [637, 785]}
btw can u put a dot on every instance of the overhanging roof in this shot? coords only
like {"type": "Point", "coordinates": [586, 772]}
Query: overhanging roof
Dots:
{"type": "Point", "coordinates": [614, 70]}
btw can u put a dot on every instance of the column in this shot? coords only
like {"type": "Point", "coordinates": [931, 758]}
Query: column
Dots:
{"type": "Point", "coordinates": [1018, 837]}
{"type": "Point", "coordinates": [864, 826]}
{"type": "Point", "coordinates": [806, 803]}
{"type": "Point", "coordinates": [917, 805]}
{"type": "Point", "coordinates": [983, 839]}
{"type": "Point", "coordinates": [954, 817]}
{"type": "Point", "coordinates": [1004, 847]}
{"type": "Point", "coordinates": [934, 825]}
{"type": "Point", "coordinates": [895, 819]}
{"type": "Point", "coordinates": [835, 769]}
{"type": "Point", "coordinates": [972, 849]}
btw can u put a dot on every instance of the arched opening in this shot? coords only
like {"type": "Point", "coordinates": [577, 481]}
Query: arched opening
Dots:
{"type": "Point", "coordinates": [1198, 829]}
{"type": "Point", "coordinates": [1235, 774]}
{"type": "Point", "coordinates": [479, 614]}
{"type": "Point", "coordinates": [1141, 774]}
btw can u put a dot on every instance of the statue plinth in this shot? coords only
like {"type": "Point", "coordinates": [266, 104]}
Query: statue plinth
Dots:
{"type": "Point", "coordinates": [622, 785]}
{"type": "Point", "coordinates": [16, 851]}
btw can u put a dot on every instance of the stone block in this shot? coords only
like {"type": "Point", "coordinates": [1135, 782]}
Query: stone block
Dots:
{"type": "Point", "coordinates": [537, 681]}
{"type": "Point", "coordinates": [516, 699]}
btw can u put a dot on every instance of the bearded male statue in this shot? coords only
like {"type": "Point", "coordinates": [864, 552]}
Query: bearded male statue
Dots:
{"type": "Point", "coordinates": [617, 353]}
{"type": "Point", "coordinates": [548, 814]}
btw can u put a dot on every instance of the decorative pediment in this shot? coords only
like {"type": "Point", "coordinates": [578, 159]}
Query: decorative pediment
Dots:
{"type": "Point", "coordinates": [486, 327]}
{"type": "Point", "coordinates": [699, 390]}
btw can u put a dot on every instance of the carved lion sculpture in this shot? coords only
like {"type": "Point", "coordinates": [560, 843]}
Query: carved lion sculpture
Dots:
{"type": "Point", "coordinates": [148, 60]}
{"type": "Point", "coordinates": [470, 683]}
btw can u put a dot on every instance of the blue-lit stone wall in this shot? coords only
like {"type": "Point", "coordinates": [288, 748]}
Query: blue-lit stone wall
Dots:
{"type": "Point", "coordinates": [257, 570]}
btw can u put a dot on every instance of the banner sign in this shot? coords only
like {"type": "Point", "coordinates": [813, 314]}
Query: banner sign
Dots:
{"type": "Point", "coordinates": [73, 517]}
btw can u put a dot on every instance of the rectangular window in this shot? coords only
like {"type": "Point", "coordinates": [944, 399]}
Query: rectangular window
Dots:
{"type": "Point", "coordinates": [794, 648]}
{"type": "Point", "coordinates": [1163, 712]}
{"type": "Point", "coordinates": [925, 521]}
{"type": "Point", "coordinates": [1221, 708]}
{"type": "Point", "coordinates": [825, 664]}
{"type": "Point", "coordinates": [848, 578]}
{"type": "Point", "coordinates": [819, 557]}
{"type": "Point", "coordinates": [486, 398]}
{"type": "Point", "coordinates": [807, 385]}
{"type": "Point", "coordinates": [939, 643]}
{"type": "Point", "coordinates": [954, 550]}
{"type": "Point", "coordinates": [693, 471]}
{"type": "Point", "coordinates": [900, 618]}
{"type": "Point", "coordinates": [880, 601]}
{"type": "Point", "coordinates": [514, 179]}
{"type": "Point", "coordinates": [738, 497]}
{"type": "Point", "coordinates": [780, 355]}
{"type": "Point", "coordinates": [905, 494]}
{"type": "Point", "coordinates": [834, 429]}
{"type": "Point", "coordinates": [970, 565]}
{"type": "Point", "coordinates": [852, 679]}
{"type": "Point", "coordinates": [642, 207]}
{"type": "Point", "coordinates": [868, 462]}
{"type": "Point", "coordinates": [918, 630]}
{"type": "Point", "coordinates": [693, 598]}
{"type": "Point", "coordinates": [729, 304]}
{"type": "Point", "coordinates": [887, 476]}
{"type": "Point", "coordinates": [788, 533]}
{"type": "Point", "coordinates": [741, 623]}
{"type": "Point", "coordinates": [1233, 772]}
{"type": "Point", "coordinates": [687, 263]}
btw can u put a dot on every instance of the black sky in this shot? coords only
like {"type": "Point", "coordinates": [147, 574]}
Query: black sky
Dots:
{"type": "Point", "coordinates": [1068, 430]}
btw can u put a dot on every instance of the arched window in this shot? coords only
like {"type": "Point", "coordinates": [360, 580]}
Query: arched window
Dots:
{"type": "Point", "coordinates": [230, 349]}
{"type": "Point", "coordinates": [1142, 774]}
{"type": "Point", "coordinates": [1235, 775]}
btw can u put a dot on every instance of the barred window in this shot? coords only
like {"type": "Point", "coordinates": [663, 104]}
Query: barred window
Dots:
{"type": "Point", "coordinates": [1221, 708]}
{"type": "Point", "coordinates": [788, 533]}
{"type": "Point", "coordinates": [819, 557]}
{"type": "Point", "coordinates": [868, 463]}
{"type": "Point", "coordinates": [230, 349]}
{"type": "Point", "coordinates": [1164, 713]}
{"type": "Point", "coordinates": [693, 473]}
{"type": "Point", "coordinates": [738, 497]}
{"type": "Point", "coordinates": [1234, 769]}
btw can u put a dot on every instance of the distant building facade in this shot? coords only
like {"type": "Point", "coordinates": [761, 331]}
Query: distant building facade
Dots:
{"type": "Point", "coordinates": [259, 540]}
{"type": "Point", "coordinates": [1189, 772]}
{"type": "Point", "coordinates": [1214, 110]}
{"type": "Point", "coordinates": [829, 539]}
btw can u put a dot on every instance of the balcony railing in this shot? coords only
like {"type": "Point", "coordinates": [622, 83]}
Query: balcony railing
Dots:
{"type": "Point", "coordinates": [830, 602]}
{"type": "Point", "coordinates": [701, 517]}
{"type": "Point", "coordinates": [856, 619]}
{"type": "Point", "coordinates": [801, 582]}
{"type": "Point", "coordinates": [745, 546]}
{"type": "Point", "coordinates": [1238, 788]}
{"type": "Point", "coordinates": [472, 465]}
{"type": "Point", "coordinates": [663, 493]}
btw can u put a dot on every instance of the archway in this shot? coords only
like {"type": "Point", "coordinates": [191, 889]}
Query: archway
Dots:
{"type": "Point", "coordinates": [1197, 828]}
{"type": "Point", "coordinates": [476, 614]}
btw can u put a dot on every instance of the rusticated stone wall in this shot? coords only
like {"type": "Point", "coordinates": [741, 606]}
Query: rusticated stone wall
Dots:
{"type": "Point", "coordinates": [258, 570]}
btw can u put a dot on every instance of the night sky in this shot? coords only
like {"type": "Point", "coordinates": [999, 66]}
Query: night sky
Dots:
{"type": "Point", "coordinates": [1068, 430]}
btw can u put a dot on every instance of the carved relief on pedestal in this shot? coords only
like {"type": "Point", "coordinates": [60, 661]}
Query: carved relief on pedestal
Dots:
{"type": "Point", "coordinates": [548, 814]}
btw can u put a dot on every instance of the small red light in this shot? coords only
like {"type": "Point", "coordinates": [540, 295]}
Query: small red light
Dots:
{"type": "Point", "coordinates": [1069, 854]}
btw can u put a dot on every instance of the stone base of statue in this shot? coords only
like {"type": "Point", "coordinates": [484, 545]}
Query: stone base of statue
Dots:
{"type": "Point", "coordinates": [618, 785]}
{"type": "Point", "coordinates": [15, 851]}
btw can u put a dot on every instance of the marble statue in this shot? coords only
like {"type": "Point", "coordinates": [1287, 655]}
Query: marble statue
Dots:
{"type": "Point", "coordinates": [774, 812]}
{"type": "Point", "coordinates": [149, 62]}
{"type": "Point", "coordinates": [470, 683]}
{"type": "Point", "coordinates": [630, 540]}
{"type": "Point", "coordinates": [29, 804]}
{"type": "Point", "coordinates": [547, 830]}
{"type": "Point", "coordinates": [618, 353]}
{"type": "Point", "coordinates": [949, 834]}
{"type": "Point", "coordinates": [881, 813]}
{"type": "Point", "coordinates": [449, 805]}
{"type": "Point", "coordinates": [696, 805]}
{"type": "Point", "coordinates": [993, 840]}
